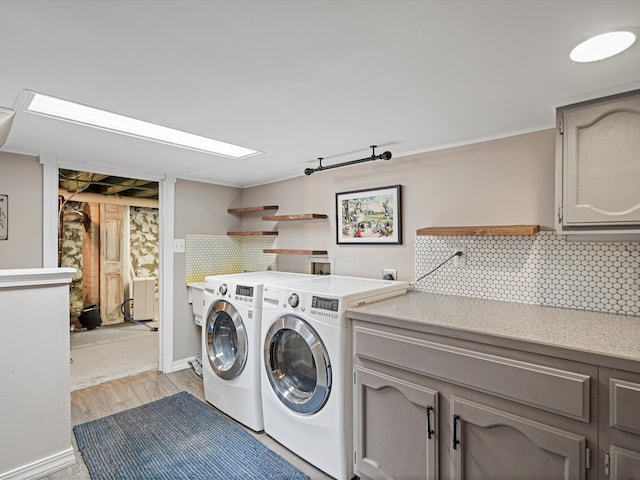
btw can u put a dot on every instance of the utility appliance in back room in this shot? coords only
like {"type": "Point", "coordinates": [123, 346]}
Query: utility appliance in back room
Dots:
{"type": "Point", "coordinates": [305, 377]}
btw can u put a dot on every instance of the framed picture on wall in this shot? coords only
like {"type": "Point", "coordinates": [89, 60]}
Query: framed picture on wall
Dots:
{"type": "Point", "coordinates": [372, 216]}
{"type": "Point", "coordinates": [4, 217]}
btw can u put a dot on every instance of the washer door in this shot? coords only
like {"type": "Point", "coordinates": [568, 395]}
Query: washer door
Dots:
{"type": "Point", "coordinates": [297, 365]}
{"type": "Point", "coordinates": [227, 343]}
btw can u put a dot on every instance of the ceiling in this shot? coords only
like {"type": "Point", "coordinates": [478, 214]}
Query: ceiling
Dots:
{"type": "Point", "coordinates": [298, 80]}
{"type": "Point", "coordinates": [91, 182]}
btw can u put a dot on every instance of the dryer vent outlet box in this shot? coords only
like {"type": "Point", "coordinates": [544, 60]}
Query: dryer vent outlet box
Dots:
{"type": "Point", "coordinates": [144, 296]}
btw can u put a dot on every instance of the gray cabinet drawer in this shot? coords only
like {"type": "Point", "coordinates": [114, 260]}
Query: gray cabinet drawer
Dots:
{"type": "Point", "coordinates": [624, 405]}
{"type": "Point", "coordinates": [554, 390]}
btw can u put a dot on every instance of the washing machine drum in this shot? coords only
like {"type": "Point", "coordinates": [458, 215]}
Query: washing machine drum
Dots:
{"type": "Point", "coordinates": [227, 343]}
{"type": "Point", "coordinates": [297, 365]}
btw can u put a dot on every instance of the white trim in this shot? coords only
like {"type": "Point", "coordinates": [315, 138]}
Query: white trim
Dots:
{"type": "Point", "coordinates": [49, 211]}
{"type": "Point", "coordinates": [167, 208]}
{"type": "Point", "coordinates": [166, 197]}
{"type": "Point", "coordinates": [182, 364]}
{"type": "Point", "coordinates": [29, 277]}
{"type": "Point", "coordinates": [43, 467]}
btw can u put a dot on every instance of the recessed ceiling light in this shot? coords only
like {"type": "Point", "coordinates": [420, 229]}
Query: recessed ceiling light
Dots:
{"type": "Point", "coordinates": [602, 46]}
{"type": "Point", "coordinates": [93, 117]}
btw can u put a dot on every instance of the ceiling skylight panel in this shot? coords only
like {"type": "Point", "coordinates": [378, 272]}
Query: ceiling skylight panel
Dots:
{"type": "Point", "coordinates": [96, 118]}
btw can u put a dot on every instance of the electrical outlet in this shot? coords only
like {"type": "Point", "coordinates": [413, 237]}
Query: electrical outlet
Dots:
{"type": "Point", "coordinates": [460, 261]}
{"type": "Point", "coordinates": [389, 274]}
{"type": "Point", "coordinates": [178, 245]}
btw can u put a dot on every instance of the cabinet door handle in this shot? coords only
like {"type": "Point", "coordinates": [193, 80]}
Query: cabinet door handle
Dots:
{"type": "Point", "coordinates": [430, 430]}
{"type": "Point", "coordinates": [456, 442]}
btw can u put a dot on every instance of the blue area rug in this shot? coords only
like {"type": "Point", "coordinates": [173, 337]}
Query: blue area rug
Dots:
{"type": "Point", "coordinates": [178, 437]}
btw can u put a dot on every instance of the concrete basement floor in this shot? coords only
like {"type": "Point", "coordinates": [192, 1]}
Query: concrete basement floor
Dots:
{"type": "Point", "coordinates": [110, 352]}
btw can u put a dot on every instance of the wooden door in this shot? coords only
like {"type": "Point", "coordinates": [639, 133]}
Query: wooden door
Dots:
{"type": "Point", "coordinates": [114, 261]}
{"type": "Point", "coordinates": [491, 443]}
{"type": "Point", "coordinates": [396, 435]}
{"type": "Point", "coordinates": [601, 172]}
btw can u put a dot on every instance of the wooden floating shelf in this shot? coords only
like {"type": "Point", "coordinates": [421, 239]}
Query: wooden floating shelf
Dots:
{"type": "Point", "coordinates": [251, 234]}
{"type": "Point", "coordinates": [260, 208]}
{"type": "Point", "coordinates": [491, 230]}
{"type": "Point", "coordinates": [294, 252]}
{"type": "Point", "coordinates": [301, 216]}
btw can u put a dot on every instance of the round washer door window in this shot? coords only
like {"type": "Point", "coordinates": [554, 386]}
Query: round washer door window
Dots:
{"type": "Point", "coordinates": [297, 365]}
{"type": "Point", "coordinates": [226, 341]}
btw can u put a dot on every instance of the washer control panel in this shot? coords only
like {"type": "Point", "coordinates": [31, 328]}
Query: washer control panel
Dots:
{"type": "Point", "coordinates": [240, 293]}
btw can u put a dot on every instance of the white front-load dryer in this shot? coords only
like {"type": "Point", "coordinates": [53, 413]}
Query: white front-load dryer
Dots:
{"type": "Point", "coordinates": [231, 347]}
{"type": "Point", "coordinates": [306, 372]}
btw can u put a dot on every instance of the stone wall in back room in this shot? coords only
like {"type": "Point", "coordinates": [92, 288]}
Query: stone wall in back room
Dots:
{"type": "Point", "coordinates": [143, 239]}
{"type": "Point", "coordinates": [542, 269]}
{"type": "Point", "coordinates": [72, 255]}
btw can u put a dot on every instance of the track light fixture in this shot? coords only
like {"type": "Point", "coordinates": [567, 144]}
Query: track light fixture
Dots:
{"type": "Point", "coordinates": [382, 156]}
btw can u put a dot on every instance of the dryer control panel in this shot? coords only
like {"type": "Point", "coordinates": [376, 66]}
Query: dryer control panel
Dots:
{"type": "Point", "coordinates": [324, 303]}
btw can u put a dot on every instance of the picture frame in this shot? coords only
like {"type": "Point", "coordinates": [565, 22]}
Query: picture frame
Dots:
{"type": "Point", "coordinates": [371, 216]}
{"type": "Point", "coordinates": [4, 217]}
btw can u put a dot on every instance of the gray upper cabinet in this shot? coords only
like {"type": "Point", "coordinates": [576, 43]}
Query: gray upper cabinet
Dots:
{"type": "Point", "coordinates": [598, 166]}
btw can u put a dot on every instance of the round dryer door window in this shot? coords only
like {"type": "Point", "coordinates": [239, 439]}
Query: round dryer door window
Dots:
{"type": "Point", "coordinates": [227, 344]}
{"type": "Point", "coordinates": [297, 365]}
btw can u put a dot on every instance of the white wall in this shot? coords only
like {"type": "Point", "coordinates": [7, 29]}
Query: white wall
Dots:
{"type": "Point", "coordinates": [21, 180]}
{"type": "Point", "coordinates": [200, 208]}
{"type": "Point", "coordinates": [506, 181]}
{"type": "Point", "coordinates": [35, 412]}
{"type": "Point", "coordinates": [499, 182]}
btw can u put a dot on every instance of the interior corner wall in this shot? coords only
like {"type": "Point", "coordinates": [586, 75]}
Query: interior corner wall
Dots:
{"type": "Point", "coordinates": [200, 208]}
{"type": "Point", "coordinates": [21, 180]}
{"type": "Point", "coordinates": [498, 182]}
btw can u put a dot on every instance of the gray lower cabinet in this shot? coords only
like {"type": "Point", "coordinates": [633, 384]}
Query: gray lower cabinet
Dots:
{"type": "Point", "coordinates": [394, 412]}
{"type": "Point", "coordinates": [489, 443]}
{"type": "Point", "coordinates": [619, 424]}
{"type": "Point", "coordinates": [427, 407]}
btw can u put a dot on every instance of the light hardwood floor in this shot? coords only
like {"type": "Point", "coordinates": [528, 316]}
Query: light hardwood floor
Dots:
{"type": "Point", "coordinates": [124, 393]}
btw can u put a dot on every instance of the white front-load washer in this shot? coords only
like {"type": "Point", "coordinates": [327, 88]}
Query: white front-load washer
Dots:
{"type": "Point", "coordinates": [306, 389]}
{"type": "Point", "coordinates": [231, 347]}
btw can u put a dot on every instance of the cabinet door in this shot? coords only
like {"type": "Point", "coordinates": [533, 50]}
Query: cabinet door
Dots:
{"type": "Point", "coordinates": [601, 172]}
{"type": "Point", "coordinates": [395, 428]}
{"type": "Point", "coordinates": [620, 424]}
{"type": "Point", "coordinates": [625, 464]}
{"type": "Point", "coordinates": [490, 443]}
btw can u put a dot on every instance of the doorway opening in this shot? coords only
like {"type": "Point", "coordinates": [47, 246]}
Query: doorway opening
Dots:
{"type": "Point", "coordinates": [108, 230]}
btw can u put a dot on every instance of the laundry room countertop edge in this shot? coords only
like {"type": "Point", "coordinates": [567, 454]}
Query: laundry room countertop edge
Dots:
{"type": "Point", "coordinates": [603, 339]}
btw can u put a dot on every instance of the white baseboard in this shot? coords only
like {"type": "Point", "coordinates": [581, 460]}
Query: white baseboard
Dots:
{"type": "Point", "coordinates": [182, 364]}
{"type": "Point", "coordinates": [43, 467]}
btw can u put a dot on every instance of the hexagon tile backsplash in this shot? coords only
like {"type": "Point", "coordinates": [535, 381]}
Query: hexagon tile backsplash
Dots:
{"type": "Point", "coordinates": [541, 269]}
{"type": "Point", "coordinates": [221, 254]}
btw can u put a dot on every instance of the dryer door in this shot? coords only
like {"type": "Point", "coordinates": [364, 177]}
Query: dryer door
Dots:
{"type": "Point", "coordinates": [297, 364]}
{"type": "Point", "coordinates": [227, 343]}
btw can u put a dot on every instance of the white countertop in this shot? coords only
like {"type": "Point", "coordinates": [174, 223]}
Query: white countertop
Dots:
{"type": "Point", "coordinates": [586, 335]}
